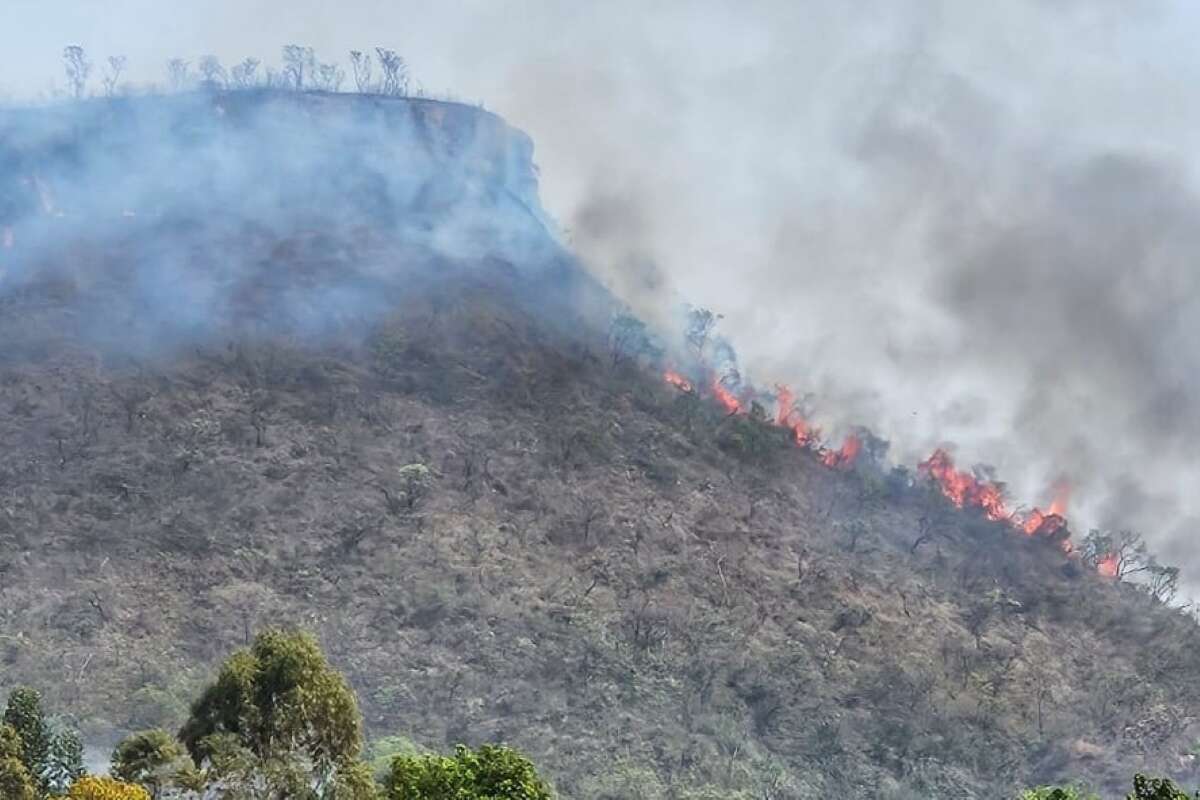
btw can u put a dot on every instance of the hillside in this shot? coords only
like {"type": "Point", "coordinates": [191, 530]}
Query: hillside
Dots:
{"type": "Point", "coordinates": [400, 426]}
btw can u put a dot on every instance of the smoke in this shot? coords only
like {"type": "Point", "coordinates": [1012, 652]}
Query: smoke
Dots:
{"type": "Point", "coordinates": [172, 218]}
{"type": "Point", "coordinates": [952, 222]}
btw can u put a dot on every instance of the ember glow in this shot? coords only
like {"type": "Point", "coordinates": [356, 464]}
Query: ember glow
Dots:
{"type": "Point", "coordinates": [678, 381]}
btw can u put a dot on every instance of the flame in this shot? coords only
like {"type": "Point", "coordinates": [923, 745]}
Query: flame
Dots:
{"type": "Point", "coordinates": [785, 401]}
{"type": "Point", "coordinates": [840, 459]}
{"type": "Point", "coordinates": [786, 416]}
{"type": "Point", "coordinates": [963, 489]}
{"type": "Point", "coordinates": [726, 398]}
{"type": "Point", "coordinates": [678, 381]}
{"type": "Point", "coordinates": [1062, 495]}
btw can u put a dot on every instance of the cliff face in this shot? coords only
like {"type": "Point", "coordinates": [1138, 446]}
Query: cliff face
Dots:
{"type": "Point", "coordinates": [186, 214]}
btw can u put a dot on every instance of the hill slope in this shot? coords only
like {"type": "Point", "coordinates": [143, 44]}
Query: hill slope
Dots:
{"type": "Point", "coordinates": [498, 534]}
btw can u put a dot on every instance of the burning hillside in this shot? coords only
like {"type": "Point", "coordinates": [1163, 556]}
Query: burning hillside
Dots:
{"type": "Point", "coordinates": [966, 490]}
{"type": "Point", "coordinates": [336, 372]}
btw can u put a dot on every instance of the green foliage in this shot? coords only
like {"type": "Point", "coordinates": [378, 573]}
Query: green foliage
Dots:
{"type": "Point", "coordinates": [415, 480]}
{"type": "Point", "coordinates": [276, 699]}
{"type": "Point", "coordinates": [15, 780]}
{"type": "Point", "coordinates": [383, 751]}
{"type": "Point", "coordinates": [489, 773]}
{"type": "Point", "coordinates": [1157, 789]}
{"type": "Point", "coordinates": [751, 439]}
{"type": "Point", "coordinates": [1144, 788]}
{"type": "Point", "coordinates": [151, 758]}
{"type": "Point", "coordinates": [24, 715]}
{"type": "Point", "coordinates": [64, 762]}
{"type": "Point", "coordinates": [1056, 793]}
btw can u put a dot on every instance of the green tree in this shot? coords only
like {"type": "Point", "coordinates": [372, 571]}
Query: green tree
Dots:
{"type": "Point", "coordinates": [64, 761]}
{"type": "Point", "coordinates": [24, 715]}
{"type": "Point", "coordinates": [489, 773]}
{"type": "Point", "coordinates": [1057, 793]}
{"type": "Point", "coordinates": [151, 758]}
{"type": "Point", "coordinates": [1157, 789]}
{"type": "Point", "coordinates": [280, 715]}
{"type": "Point", "coordinates": [15, 781]}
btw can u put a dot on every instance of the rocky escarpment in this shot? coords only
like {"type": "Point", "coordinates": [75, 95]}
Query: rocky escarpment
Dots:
{"type": "Point", "coordinates": [172, 217]}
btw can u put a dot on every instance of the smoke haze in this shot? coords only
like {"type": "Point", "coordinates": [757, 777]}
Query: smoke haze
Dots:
{"type": "Point", "coordinates": [951, 222]}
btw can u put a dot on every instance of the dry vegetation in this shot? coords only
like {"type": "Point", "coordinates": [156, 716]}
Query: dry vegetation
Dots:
{"type": "Point", "coordinates": [498, 535]}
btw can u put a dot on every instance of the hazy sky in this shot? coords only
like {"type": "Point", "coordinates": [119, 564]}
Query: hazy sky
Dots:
{"type": "Point", "coordinates": [954, 222]}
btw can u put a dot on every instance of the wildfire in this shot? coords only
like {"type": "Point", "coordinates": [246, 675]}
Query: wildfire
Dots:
{"type": "Point", "coordinates": [845, 457]}
{"type": "Point", "coordinates": [786, 416]}
{"type": "Point", "coordinates": [963, 489]}
{"type": "Point", "coordinates": [726, 398]}
{"type": "Point", "coordinates": [678, 381]}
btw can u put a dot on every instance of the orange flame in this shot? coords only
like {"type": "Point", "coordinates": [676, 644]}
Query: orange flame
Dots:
{"type": "Point", "coordinates": [726, 398]}
{"type": "Point", "coordinates": [786, 416]}
{"type": "Point", "coordinates": [678, 381]}
{"type": "Point", "coordinates": [784, 403]}
{"type": "Point", "coordinates": [962, 488]}
{"type": "Point", "coordinates": [1062, 495]}
{"type": "Point", "coordinates": [840, 459]}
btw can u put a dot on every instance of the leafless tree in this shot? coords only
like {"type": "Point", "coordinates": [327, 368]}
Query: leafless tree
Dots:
{"type": "Point", "coordinates": [213, 73]}
{"type": "Point", "coordinates": [178, 73]}
{"type": "Point", "coordinates": [700, 324]}
{"type": "Point", "coordinates": [299, 65]}
{"type": "Point", "coordinates": [78, 69]}
{"type": "Point", "coordinates": [395, 72]}
{"type": "Point", "coordinates": [243, 75]}
{"type": "Point", "coordinates": [330, 77]}
{"type": "Point", "coordinates": [363, 67]}
{"type": "Point", "coordinates": [1161, 582]}
{"type": "Point", "coordinates": [589, 511]}
{"type": "Point", "coordinates": [112, 74]}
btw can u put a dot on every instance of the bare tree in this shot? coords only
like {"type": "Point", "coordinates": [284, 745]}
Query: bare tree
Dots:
{"type": "Point", "coordinates": [78, 69]}
{"type": "Point", "coordinates": [1116, 555]}
{"type": "Point", "coordinates": [395, 72]}
{"type": "Point", "coordinates": [213, 73]}
{"type": "Point", "coordinates": [1162, 582]}
{"type": "Point", "coordinates": [243, 75]}
{"type": "Point", "coordinates": [330, 77]}
{"type": "Point", "coordinates": [112, 74]}
{"type": "Point", "coordinates": [179, 73]}
{"type": "Point", "coordinates": [590, 510]}
{"type": "Point", "coordinates": [363, 66]}
{"type": "Point", "coordinates": [700, 324]}
{"type": "Point", "coordinates": [299, 65]}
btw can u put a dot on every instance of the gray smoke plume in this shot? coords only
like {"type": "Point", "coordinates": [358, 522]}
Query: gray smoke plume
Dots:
{"type": "Point", "coordinates": [953, 222]}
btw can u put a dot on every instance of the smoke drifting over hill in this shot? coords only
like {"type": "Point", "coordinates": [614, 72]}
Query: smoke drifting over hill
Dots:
{"type": "Point", "coordinates": [951, 223]}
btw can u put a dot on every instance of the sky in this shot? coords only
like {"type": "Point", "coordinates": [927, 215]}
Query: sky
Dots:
{"type": "Point", "coordinates": [957, 223]}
